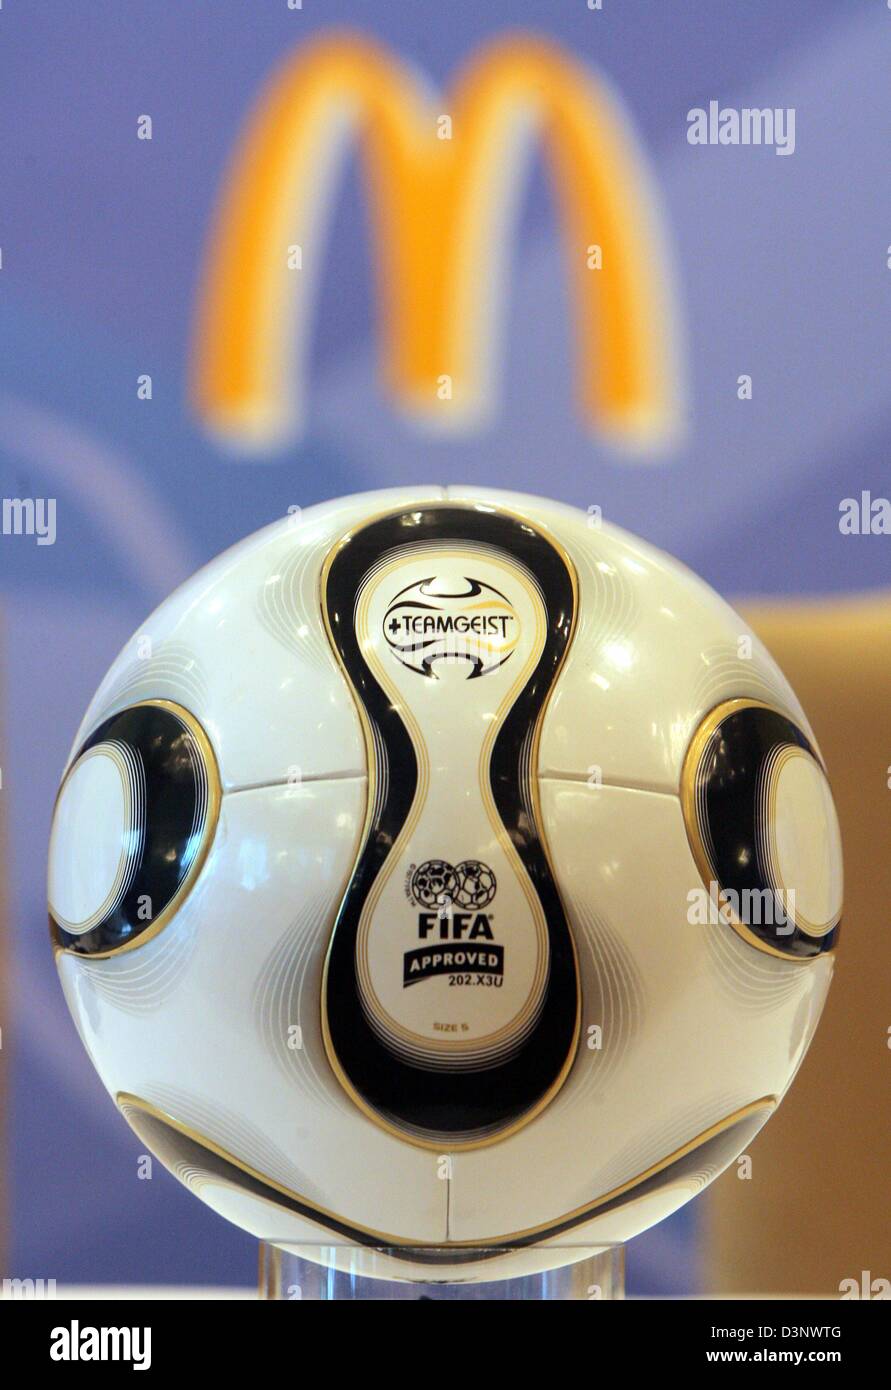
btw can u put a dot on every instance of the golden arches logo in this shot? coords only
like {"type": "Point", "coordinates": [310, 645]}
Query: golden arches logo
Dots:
{"type": "Point", "coordinates": [440, 209]}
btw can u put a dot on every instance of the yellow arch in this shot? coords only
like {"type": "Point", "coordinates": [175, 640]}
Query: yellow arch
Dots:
{"type": "Point", "coordinates": [440, 210]}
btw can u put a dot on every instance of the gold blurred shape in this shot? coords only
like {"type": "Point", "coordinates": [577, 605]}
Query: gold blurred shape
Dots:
{"type": "Point", "coordinates": [440, 212]}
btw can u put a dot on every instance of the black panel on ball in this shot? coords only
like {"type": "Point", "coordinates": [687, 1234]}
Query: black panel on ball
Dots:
{"type": "Point", "coordinates": [460, 1105]}
{"type": "Point", "coordinates": [176, 799]}
{"type": "Point", "coordinates": [729, 819]}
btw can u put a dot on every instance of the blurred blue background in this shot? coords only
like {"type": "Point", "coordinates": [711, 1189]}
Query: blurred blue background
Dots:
{"type": "Point", "coordinates": [781, 273]}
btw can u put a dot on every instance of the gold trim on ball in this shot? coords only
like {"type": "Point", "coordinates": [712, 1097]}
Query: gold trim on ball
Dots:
{"type": "Point", "coordinates": [445, 1143]}
{"type": "Point", "coordinates": [689, 772]}
{"type": "Point", "coordinates": [548, 1230]}
{"type": "Point", "coordinates": [214, 802]}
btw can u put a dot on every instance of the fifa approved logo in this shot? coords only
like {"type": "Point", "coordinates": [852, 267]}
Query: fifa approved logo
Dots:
{"type": "Point", "coordinates": [453, 923]}
{"type": "Point", "coordinates": [432, 621]}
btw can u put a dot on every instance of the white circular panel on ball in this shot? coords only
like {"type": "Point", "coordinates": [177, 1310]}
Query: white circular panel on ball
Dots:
{"type": "Point", "coordinates": [90, 842]}
{"type": "Point", "coordinates": [804, 841]}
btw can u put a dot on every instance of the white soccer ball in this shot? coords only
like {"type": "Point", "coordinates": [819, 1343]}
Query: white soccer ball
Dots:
{"type": "Point", "coordinates": [444, 874]}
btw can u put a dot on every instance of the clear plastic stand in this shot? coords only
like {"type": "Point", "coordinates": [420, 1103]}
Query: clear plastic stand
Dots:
{"type": "Point", "coordinates": [347, 1274]}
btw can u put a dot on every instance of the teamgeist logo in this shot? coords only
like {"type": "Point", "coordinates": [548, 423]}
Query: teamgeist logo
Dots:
{"type": "Point", "coordinates": [434, 620]}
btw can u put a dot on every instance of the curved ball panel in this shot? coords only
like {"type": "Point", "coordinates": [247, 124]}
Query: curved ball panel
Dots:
{"type": "Point", "coordinates": [242, 646]}
{"type": "Point", "coordinates": [655, 649]}
{"type": "Point", "coordinates": [446, 1020]}
{"type": "Point", "coordinates": [133, 823]}
{"type": "Point", "coordinates": [227, 1047]}
{"type": "Point", "coordinates": [666, 1056]}
{"type": "Point", "coordinates": [763, 829]}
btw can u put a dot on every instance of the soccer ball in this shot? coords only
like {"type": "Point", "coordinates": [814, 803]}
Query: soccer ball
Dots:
{"type": "Point", "coordinates": [440, 873]}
